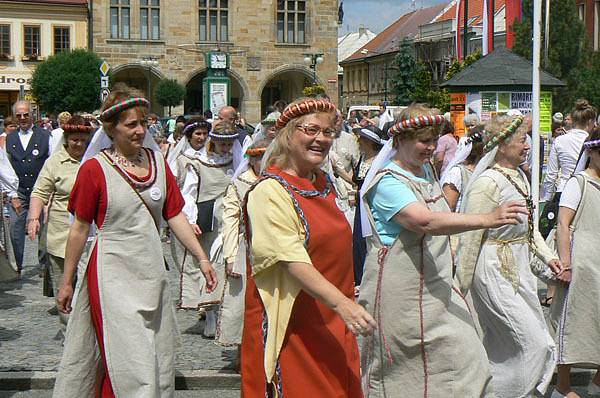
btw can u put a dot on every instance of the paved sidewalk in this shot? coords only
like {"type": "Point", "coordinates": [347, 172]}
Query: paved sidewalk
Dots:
{"type": "Point", "coordinates": [28, 333]}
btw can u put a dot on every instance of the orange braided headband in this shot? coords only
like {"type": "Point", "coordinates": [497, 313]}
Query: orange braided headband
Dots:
{"type": "Point", "coordinates": [415, 123]}
{"type": "Point", "coordinates": [303, 108]}
{"type": "Point", "coordinates": [254, 152]}
{"type": "Point", "coordinates": [76, 128]}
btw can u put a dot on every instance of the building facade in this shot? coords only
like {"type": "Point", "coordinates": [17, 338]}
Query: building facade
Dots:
{"type": "Point", "coordinates": [368, 73]}
{"type": "Point", "coordinates": [31, 31]}
{"type": "Point", "coordinates": [589, 14]}
{"type": "Point", "coordinates": [267, 44]}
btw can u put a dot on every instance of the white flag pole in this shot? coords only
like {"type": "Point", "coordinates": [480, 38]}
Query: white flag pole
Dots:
{"type": "Point", "coordinates": [535, 135]}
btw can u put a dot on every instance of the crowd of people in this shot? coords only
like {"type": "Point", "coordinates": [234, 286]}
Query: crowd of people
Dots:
{"type": "Point", "coordinates": [344, 255]}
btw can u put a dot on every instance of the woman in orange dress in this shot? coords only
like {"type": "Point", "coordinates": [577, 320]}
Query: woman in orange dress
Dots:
{"type": "Point", "coordinates": [300, 317]}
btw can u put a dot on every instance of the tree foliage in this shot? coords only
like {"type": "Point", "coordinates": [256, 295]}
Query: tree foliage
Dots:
{"type": "Point", "coordinates": [314, 90]}
{"type": "Point", "coordinates": [412, 81]}
{"type": "Point", "coordinates": [169, 92]}
{"type": "Point", "coordinates": [569, 56]}
{"type": "Point", "coordinates": [68, 82]}
{"type": "Point", "coordinates": [458, 66]}
{"type": "Point", "coordinates": [405, 67]}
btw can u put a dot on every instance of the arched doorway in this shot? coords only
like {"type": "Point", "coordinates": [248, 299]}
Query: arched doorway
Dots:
{"type": "Point", "coordinates": [193, 103]}
{"type": "Point", "coordinates": [286, 85]}
{"type": "Point", "coordinates": [141, 78]}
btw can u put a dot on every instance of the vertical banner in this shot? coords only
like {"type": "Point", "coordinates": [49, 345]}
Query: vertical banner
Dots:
{"type": "Point", "coordinates": [457, 112]}
{"type": "Point", "coordinates": [459, 50]}
{"type": "Point", "coordinates": [513, 13]}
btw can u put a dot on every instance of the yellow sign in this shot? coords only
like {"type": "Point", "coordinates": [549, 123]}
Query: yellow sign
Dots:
{"type": "Point", "coordinates": [104, 68]}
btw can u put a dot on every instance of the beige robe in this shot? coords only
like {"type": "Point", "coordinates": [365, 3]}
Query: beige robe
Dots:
{"type": "Point", "coordinates": [575, 310]}
{"type": "Point", "coordinates": [231, 313]}
{"type": "Point", "coordinates": [425, 344]}
{"type": "Point", "coordinates": [138, 316]}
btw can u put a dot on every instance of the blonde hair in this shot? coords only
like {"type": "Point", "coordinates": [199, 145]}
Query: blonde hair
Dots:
{"type": "Point", "coordinates": [278, 153]}
{"type": "Point", "coordinates": [422, 133]}
{"type": "Point", "coordinates": [221, 128]}
{"type": "Point", "coordinates": [63, 117]}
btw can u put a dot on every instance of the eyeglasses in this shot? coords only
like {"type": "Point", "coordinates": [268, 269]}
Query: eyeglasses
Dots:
{"type": "Point", "coordinates": [312, 130]}
{"type": "Point", "coordinates": [22, 115]}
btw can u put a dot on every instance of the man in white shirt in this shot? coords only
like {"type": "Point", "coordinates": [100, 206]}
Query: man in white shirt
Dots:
{"type": "Point", "coordinates": [27, 150]}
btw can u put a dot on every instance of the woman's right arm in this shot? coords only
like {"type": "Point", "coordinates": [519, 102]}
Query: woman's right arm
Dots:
{"type": "Point", "coordinates": [76, 241]}
{"type": "Point", "coordinates": [563, 240]}
{"type": "Point", "coordinates": [354, 315]}
{"type": "Point", "coordinates": [452, 195]}
{"type": "Point", "coordinates": [418, 218]}
{"type": "Point", "coordinates": [190, 192]}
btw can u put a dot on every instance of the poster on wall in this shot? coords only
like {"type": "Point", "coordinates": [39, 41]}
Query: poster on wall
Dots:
{"type": "Point", "coordinates": [218, 97]}
{"type": "Point", "coordinates": [504, 102]}
{"type": "Point", "coordinates": [546, 112]}
{"type": "Point", "coordinates": [522, 101]}
{"type": "Point", "coordinates": [488, 105]}
{"type": "Point", "coordinates": [474, 104]}
{"type": "Point", "coordinates": [457, 112]}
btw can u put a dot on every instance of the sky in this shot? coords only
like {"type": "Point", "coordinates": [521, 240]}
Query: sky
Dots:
{"type": "Point", "coordinates": [377, 14]}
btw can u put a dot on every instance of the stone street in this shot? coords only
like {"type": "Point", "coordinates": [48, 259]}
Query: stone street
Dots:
{"type": "Point", "coordinates": [28, 332]}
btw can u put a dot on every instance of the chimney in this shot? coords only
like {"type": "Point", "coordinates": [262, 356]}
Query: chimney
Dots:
{"type": "Point", "coordinates": [362, 30]}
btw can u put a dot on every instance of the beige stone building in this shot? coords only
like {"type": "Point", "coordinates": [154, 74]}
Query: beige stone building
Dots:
{"type": "Point", "coordinates": [267, 43]}
{"type": "Point", "coordinates": [30, 32]}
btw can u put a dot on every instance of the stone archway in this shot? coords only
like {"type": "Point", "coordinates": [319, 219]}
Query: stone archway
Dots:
{"type": "Point", "coordinates": [193, 103]}
{"type": "Point", "coordinates": [285, 83]}
{"type": "Point", "coordinates": [141, 78]}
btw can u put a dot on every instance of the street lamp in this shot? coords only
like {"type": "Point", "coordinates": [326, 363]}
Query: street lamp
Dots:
{"type": "Point", "coordinates": [149, 62]}
{"type": "Point", "coordinates": [313, 60]}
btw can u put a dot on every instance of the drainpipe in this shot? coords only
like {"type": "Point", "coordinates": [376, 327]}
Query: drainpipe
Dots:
{"type": "Point", "coordinates": [90, 24]}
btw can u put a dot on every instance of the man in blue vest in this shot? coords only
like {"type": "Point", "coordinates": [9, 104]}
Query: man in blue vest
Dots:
{"type": "Point", "coordinates": [27, 149]}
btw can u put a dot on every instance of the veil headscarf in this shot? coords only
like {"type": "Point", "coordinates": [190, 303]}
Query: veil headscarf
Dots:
{"type": "Point", "coordinates": [386, 154]}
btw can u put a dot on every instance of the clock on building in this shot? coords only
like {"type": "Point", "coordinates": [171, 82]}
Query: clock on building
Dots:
{"type": "Point", "coordinates": [217, 61]}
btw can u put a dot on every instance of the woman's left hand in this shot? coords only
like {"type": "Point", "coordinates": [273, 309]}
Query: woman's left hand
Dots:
{"type": "Point", "coordinates": [556, 266]}
{"type": "Point", "coordinates": [209, 274]}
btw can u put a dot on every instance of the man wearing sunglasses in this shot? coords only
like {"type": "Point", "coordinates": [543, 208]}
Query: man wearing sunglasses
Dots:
{"type": "Point", "coordinates": [27, 149]}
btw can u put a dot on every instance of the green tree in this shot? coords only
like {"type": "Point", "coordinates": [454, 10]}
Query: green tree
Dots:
{"type": "Point", "coordinates": [568, 53]}
{"type": "Point", "coordinates": [458, 66]}
{"type": "Point", "coordinates": [405, 67]}
{"type": "Point", "coordinates": [426, 92]}
{"type": "Point", "coordinates": [169, 92]}
{"type": "Point", "coordinates": [68, 82]}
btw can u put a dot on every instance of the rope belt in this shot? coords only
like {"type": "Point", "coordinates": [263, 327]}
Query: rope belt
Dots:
{"type": "Point", "coordinates": [508, 268]}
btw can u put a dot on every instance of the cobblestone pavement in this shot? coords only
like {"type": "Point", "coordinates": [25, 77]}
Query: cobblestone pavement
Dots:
{"type": "Point", "coordinates": [28, 333]}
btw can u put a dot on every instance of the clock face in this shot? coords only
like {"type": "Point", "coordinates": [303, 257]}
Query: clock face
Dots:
{"type": "Point", "coordinates": [218, 61]}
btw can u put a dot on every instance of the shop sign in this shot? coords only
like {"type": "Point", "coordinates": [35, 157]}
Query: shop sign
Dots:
{"type": "Point", "coordinates": [13, 82]}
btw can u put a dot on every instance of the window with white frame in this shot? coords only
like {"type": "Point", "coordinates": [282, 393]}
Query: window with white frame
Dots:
{"type": "Point", "coordinates": [62, 39]}
{"type": "Point", "coordinates": [31, 41]}
{"type": "Point", "coordinates": [120, 17]}
{"type": "Point", "coordinates": [213, 20]}
{"type": "Point", "coordinates": [150, 19]}
{"type": "Point", "coordinates": [291, 21]}
{"type": "Point", "coordinates": [4, 40]}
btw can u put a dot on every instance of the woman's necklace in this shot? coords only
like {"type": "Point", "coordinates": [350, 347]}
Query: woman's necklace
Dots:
{"type": "Point", "coordinates": [528, 203]}
{"type": "Point", "coordinates": [127, 161]}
